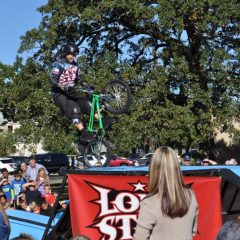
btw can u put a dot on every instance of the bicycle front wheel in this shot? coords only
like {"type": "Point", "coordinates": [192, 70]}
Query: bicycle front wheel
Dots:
{"type": "Point", "coordinates": [97, 153]}
{"type": "Point", "coordinates": [120, 97]}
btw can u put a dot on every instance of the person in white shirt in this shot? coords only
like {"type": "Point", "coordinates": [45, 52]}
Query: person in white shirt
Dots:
{"type": "Point", "coordinates": [32, 170]}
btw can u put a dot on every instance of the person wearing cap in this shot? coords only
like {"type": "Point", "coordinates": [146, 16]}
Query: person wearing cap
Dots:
{"type": "Point", "coordinates": [186, 160]}
{"type": "Point", "coordinates": [33, 168]}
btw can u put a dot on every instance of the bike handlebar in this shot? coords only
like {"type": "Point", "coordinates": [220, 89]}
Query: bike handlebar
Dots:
{"type": "Point", "coordinates": [90, 91]}
{"type": "Point", "coordinates": [87, 90]}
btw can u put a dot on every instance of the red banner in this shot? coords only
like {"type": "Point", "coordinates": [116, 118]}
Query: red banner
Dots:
{"type": "Point", "coordinates": [106, 206]}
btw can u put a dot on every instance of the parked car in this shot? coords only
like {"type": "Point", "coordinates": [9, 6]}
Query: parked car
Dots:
{"type": "Point", "coordinates": [54, 162]}
{"type": "Point", "coordinates": [115, 160]}
{"type": "Point", "coordinates": [19, 159]}
{"type": "Point", "coordinates": [8, 164]}
{"type": "Point", "coordinates": [120, 161]}
{"type": "Point", "coordinates": [145, 160]}
{"type": "Point", "coordinates": [92, 160]}
{"type": "Point", "coordinates": [134, 156]}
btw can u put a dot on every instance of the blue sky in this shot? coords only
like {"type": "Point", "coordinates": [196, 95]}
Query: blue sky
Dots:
{"type": "Point", "coordinates": [16, 18]}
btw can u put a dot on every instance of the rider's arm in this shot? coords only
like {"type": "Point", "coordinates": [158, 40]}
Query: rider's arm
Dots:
{"type": "Point", "coordinates": [212, 162]}
{"type": "Point", "coordinates": [25, 185]}
{"type": "Point", "coordinates": [55, 73]}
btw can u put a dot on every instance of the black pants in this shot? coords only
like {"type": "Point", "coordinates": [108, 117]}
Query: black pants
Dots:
{"type": "Point", "coordinates": [72, 104]}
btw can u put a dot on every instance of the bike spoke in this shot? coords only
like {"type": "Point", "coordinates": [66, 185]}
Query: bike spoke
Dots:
{"type": "Point", "coordinates": [120, 96]}
{"type": "Point", "coordinates": [97, 153]}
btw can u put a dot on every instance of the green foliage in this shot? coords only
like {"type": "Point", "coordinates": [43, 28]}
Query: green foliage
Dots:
{"type": "Point", "coordinates": [3, 145]}
{"type": "Point", "coordinates": [181, 59]}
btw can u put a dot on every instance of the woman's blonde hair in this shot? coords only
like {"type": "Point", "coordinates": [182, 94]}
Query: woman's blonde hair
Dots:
{"type": "Point", "coordinates": [165, 178]}
{"type": "Point", "coordinates": [33, 205]}
{"type": "Point", "coordinates": [45, 176]}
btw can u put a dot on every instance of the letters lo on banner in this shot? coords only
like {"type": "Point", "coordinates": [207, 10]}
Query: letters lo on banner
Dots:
{"type": "Point", "coordinates": [107, 206]}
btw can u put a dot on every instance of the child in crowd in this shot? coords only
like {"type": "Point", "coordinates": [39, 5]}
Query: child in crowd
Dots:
{"type": "Point", "coordinates": [32, 194]}
{"type": "Point", "coordinates": [49, 197]}
{"type": "Point", "coordinates": [17, 183]}
{"type": "Point", "coordinates": [42, 179]}
{"type": "Point", "coordinates": [8, 190]}
{"type": "Point", "coordinates": [23, 206]}
{"type": "Point", "coordinates": [34, 208]}
{"type": "Point", "coordinates": [5, 204]}
{"type": "Point", "coordinates": [58, 207]}
{"type": "Point", "coordinates": [45, 208]}
{"type": "Point", "coordinates": [21, 202]}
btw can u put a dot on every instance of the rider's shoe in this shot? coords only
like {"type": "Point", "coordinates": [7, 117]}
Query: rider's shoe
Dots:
{"type": "Point", "coordinates": [107, 122]}
{"type": "Point", "coordinates": [86, 136]}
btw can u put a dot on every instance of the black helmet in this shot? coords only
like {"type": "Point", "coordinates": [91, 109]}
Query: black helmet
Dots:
{"type": "Point", "coordinates": [71, 48]}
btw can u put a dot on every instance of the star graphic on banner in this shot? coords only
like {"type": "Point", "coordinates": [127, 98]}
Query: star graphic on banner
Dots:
{"type": "Point", "coordinates": [139, 186]}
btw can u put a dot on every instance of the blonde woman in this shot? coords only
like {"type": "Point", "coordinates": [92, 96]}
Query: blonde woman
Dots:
{"type": "Point", "coordinates": [170, 209]}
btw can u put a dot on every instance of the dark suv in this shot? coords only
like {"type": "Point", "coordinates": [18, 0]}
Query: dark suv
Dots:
{"type": "Point", "coordinates": [53, 162]}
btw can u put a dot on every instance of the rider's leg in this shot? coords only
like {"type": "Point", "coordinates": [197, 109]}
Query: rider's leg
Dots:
{"type": "Point", "coordinates": [79, 126]}
{"type": "Point", "coordinates": [73, 112]}
{"type": "Point", "coordinates": [107, 121]}
{"type": "Point", "coordinates": [84, 134]}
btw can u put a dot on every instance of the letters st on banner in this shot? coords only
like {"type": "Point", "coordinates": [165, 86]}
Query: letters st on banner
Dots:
{"type": "Point", "coordinates": [106, 206]}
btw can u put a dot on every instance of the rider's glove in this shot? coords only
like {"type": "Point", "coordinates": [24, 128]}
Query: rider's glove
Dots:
{"type": "Point", "coordinates": [88, 88]}
{"type": "Point", "coordinates": [69, 89]}
{"type": "Point", "coordinates": [65, 88]}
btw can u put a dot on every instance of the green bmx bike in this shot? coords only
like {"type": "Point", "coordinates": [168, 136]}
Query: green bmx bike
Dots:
{"type": "Point", "coordinates": [116, 98]}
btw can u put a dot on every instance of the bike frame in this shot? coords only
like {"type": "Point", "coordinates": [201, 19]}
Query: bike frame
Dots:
{"type": "Point", "coordinates": [95, 105]}
{"type": "Point", "coordinates": [99, 147]}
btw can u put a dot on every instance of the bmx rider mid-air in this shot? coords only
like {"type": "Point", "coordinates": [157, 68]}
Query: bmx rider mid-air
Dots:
{"type": "Point", "coordinates": [63, 77]}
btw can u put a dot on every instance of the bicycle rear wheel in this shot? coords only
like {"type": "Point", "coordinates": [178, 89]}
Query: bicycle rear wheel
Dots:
{"type": "Point", "coordinates": [120, 97]}
{"type": "Point", "coordinates": [97, 153]}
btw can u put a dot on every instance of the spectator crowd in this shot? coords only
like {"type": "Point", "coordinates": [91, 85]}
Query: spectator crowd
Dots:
{"type": "Point", "coordinates": [187, 161]}
{"type": "Point", "coordinates": [28, 189]}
